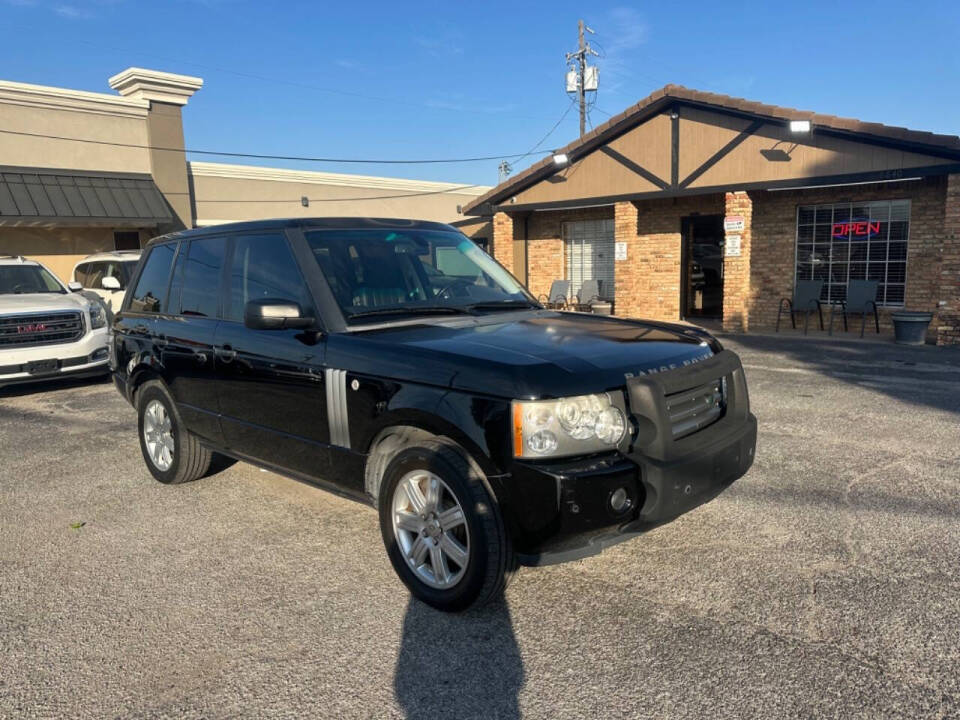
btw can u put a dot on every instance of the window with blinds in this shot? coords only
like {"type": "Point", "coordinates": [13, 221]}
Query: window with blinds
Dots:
{"type": "Point", "coordinates": [840, 242]}
{"type": "Point", "coordinates": [590, 249]}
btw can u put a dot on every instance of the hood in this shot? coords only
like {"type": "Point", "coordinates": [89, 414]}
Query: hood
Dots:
{"type": "Point", "coordinates": [529, 354]}
{"type": "Point", "coordinates": [41, 302]}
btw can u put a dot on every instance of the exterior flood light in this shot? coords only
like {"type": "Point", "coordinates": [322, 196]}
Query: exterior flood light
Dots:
{"type": "Point", "coordinates": [800, 126]}
{"type": "Point", "coordinates": [560, 159]}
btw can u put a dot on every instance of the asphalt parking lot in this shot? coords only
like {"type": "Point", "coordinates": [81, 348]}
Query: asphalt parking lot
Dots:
{"type": "Point", "coordinates": [824, 583]}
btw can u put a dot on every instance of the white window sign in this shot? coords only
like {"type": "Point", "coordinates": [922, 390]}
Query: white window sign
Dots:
{"type": "Point", "coordinates": [733, 223]}
{"type": "Point", "coordinates": [620, 251]}
{"type": "Point", "coordinates": [732, 246]}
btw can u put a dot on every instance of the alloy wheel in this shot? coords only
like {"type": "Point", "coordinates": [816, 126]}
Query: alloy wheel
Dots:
{"type": "Point", "coordinates": [158, 435]}
{"type": "Point", "coordinates": [431, 529]}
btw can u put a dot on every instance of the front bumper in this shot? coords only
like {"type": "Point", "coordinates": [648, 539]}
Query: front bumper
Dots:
{"type": "Point", "coordinates": [662, 476]}
{"type": "Point", "coordinates": [87, 356]}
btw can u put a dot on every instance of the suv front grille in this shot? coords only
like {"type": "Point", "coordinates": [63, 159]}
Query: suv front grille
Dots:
{"type": "Point", "coordinates": [692, 410]}
{"type": "Point", "coordinates": [40, 329]}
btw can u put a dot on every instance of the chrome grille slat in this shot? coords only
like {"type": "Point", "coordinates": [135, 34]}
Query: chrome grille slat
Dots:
{"type": "Point", "coordinates": [62, 327]}
{"type": "Point", "coordinates": [694, 409]}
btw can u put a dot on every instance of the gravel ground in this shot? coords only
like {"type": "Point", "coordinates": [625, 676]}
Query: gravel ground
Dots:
{"type": "Point", "coordinates": [824, 583]}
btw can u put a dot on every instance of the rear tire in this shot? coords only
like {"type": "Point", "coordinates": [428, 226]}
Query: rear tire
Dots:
{"type": "Point", "coordinates": [172, 453]}
{"type": "Point", "coordinates": [448, 560]}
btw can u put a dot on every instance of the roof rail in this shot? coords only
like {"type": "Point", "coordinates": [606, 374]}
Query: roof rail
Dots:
{"type": "Point", "coordinates": [21, 258]}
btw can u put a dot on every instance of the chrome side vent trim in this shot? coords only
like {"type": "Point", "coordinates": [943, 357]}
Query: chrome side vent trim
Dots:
{"type": "Point", "coordinates": [336, 382]}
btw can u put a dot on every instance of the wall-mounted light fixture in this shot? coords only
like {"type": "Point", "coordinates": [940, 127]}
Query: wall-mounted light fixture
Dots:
{"type": "Point", "coordinates": [560, 159]}
{"type": "Point", "coordinates": [305, 201]}
{"type": "Point", "coordinates": [799, 126]}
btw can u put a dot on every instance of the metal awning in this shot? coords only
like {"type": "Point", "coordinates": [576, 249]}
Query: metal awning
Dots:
{"type": "Point", "coordinates": [80, 197]}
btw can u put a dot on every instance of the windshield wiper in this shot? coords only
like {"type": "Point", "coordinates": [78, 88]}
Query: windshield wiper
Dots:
{"type": "Point", "coordinates": [421, 310]}
{"type": "Point", "coordinates": [501, 305]}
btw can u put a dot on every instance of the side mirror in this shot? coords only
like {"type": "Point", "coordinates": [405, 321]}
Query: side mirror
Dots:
{"type": "Point", "coordinates": [270, 314]}
{"type": "Point", "coordinates": [110, 283]}
{"type": "Point", "coordinates": [74, 286]}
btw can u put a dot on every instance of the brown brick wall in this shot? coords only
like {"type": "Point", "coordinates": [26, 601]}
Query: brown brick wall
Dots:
{"type": "Point", "coordinates": [947, 322]}
{"type": "Point", "coordinates": [736, 268]}
{"type": "Point", "coordinates": [545, 249]}
{"type": "Point", "coordinates": [648, 281]}
{"type": "Point", "coordinates": [502, 240]}
{"type": "Point", "coordinates": [774, 244]}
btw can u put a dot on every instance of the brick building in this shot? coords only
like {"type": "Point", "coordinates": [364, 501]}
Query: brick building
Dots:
{"type": "Point", "coordinates": [694, 206]}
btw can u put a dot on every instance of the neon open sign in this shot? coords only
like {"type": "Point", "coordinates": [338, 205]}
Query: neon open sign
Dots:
{"type": "Point", "coordinates": [857, 228]}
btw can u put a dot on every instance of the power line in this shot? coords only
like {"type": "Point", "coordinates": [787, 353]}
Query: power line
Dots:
{"type": "Point", "coordinates": [258, 156]}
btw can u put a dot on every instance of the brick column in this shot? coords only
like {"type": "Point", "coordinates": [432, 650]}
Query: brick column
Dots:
{"type": "Point", "coordinates": [736, 269]}
{"type": "Point", "coordinates": [626, 276]}
{"type": "Point", "coordinates": [947, 321]}
{"type": "Point", "coordinates": [503, 234]}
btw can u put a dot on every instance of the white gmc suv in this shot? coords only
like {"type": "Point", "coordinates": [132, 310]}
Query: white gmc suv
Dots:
{"type": "Point", "coordinates": [46, 330]}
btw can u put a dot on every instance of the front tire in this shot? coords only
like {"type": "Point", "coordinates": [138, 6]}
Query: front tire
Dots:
{"type": "Point", "coordinates": [172, 453]}
{"type": "Point", "coordinates": [442, 530]}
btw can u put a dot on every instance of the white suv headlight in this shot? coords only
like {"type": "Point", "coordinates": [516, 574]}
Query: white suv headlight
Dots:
{"type": "Point", "coordinates": [568, 426]}
{"type": "Point", "coordinates": [98, 318]}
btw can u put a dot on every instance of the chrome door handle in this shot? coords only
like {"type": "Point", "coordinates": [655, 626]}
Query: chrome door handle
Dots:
{"type": "Point", "coordinates": [226, 353]}
{"type": "Point", "coordinates": [200, 357]}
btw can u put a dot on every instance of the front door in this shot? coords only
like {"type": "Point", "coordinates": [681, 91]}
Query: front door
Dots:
{"type": "Point", "coordinates": [271, 382]}
{"type": "Point", "coordinates": [702, 268]}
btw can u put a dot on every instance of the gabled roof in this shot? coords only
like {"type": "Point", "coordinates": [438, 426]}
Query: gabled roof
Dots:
{"type": "Point", "coordinates": [663, 98]}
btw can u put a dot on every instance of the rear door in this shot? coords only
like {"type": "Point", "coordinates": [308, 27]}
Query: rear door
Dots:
{"type": "Point", "coordinates": [185, 333]}
{"type": "Point", "coordinates": [271, 382]}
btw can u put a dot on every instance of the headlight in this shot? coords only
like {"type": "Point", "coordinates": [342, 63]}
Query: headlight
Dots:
{"type": "Point", "coordinates": [569, 426]}
{"type": "Point", "coordinates": [98, 318]}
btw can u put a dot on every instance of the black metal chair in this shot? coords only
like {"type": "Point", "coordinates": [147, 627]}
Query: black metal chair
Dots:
{"type": "Point", "coordinates": [557, 298]}
{"type": "Point", "coordinates": [588, 294]}
{"type": "Point", "coordinates": [861, 300]}
{"type": "Point", "coordinates": [806, 301]}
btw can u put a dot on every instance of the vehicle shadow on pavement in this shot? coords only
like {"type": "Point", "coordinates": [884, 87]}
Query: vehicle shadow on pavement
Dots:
{"type": "Point", "coordinates": [918, 375]}
{"type": "Point", "coordinates": [461, 666]}
{"type": "Point", "coordinates": [44, 386]}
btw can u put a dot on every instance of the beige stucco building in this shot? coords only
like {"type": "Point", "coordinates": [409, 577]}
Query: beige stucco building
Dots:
{"type": "Point", "coordinates": [82, 172]}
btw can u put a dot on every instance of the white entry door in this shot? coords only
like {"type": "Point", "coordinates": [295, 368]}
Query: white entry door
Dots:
{"type": "Point", "coordinates": [590, 247]}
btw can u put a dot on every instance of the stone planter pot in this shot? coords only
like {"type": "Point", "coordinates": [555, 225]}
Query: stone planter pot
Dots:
{"type": "Point", "coordinates": [910, 327]}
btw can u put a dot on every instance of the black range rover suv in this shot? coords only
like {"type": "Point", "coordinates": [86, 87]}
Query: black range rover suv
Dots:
{"type": "Point", "coordinates": [395, 362]}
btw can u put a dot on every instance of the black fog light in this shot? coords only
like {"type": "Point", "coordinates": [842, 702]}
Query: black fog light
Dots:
{"type": "Point", "coordinates": [100, 354]}
{"type": "Point", "coordinates": [620, 500]}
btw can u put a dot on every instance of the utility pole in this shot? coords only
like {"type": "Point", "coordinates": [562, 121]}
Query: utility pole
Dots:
{"type": "Point", "coordinates": [585, 78]}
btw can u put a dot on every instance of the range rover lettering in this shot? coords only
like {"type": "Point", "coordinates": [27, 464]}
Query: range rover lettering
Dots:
{"type": "Point", "coordinates": [394, 362]}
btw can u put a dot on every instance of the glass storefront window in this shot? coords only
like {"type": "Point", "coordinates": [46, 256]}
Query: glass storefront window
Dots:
{"type": "Point", "coordinates": [840, 242]}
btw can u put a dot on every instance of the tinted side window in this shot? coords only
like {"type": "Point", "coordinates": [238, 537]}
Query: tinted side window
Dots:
{"type": "Point", "coordinates": [151, 291]}
{"type": "Point", "coordinates": [94, 275]}
{"type": "Point", "coordinates": [200, 295]}
{"type": "Point", "coordinates": [264, 267]}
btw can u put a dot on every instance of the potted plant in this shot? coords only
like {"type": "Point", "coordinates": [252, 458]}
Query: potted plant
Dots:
{"type": "Point", "coordinates": [910, 326]}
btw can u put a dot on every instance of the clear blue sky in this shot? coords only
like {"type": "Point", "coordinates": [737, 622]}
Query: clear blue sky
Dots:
{"type": "Point", "coordinates": [450, 79]}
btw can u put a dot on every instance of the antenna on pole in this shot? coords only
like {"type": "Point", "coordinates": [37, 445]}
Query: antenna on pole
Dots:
{"type": "Point", "coordinates": [503, 170]}
{"type": "Point", "coordinates": [582, 78]}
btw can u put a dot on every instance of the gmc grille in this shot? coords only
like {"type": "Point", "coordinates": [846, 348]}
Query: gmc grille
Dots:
{"type": "Point", "coordinates": [694, 409]}
{"type": "Point", "coordinates": [40, 329]}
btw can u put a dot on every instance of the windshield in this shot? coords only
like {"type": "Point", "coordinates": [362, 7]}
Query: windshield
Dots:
{"type": "Point", "coordinates": [377, 272]}
{"type": "Point", "coordinates": [19, 279]}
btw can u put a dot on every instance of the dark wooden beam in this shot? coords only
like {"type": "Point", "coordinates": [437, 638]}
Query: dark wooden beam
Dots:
{"type": "Point", "coordinates": [722, 152]}
{"type": "Point", "coordinates": [634, 167]}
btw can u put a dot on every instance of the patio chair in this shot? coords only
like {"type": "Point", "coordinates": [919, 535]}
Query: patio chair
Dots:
{"type": "Point", "coordinates": [805, 301]}
{"type": "Point", "coordinates": [557, 298]}
{"type": "Point", "coordinates": [588, 294]}
{"type": "Point", "coordinates": [861, 300]}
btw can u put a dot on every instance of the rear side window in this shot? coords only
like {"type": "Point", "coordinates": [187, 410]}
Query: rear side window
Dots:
{"type": "Point", "coordinates": [94, 275]}
{"type": "Point", "coordinates": [200, 293]}
{"type": "Point", "coordinates": [264, 267]}
{"type": "Point", "coordinates": [80, 274]}
{"type": "Point", "coordinates": [150, 294]}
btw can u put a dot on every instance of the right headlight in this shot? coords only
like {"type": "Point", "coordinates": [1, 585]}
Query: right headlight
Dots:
{"type": "Point", "coordinates": [568, 426]}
